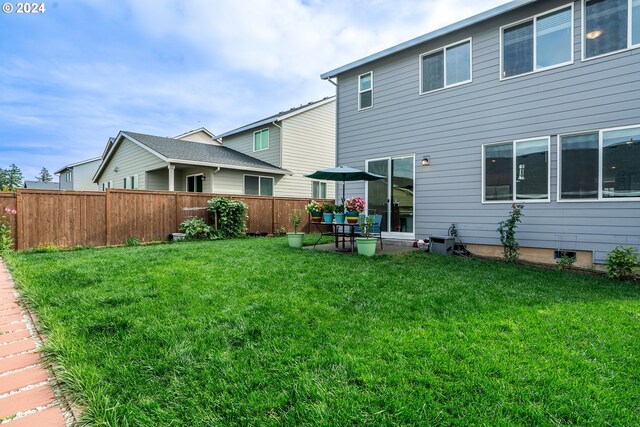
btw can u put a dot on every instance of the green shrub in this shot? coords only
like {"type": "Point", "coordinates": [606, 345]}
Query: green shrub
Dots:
{"type": "Point", "coordinates": [6, 232]}
{"type": "Point", "coordinates": [195, 228]}
{"type": "Point", "coordinates": [507, 230]}
{"type": "Point", "coordinates": [565, 262]}
{"type": "Point", "coordinates": [622, 263]}
{"type": "Point", "coordinates": [132, 241]}
{"type": "Point", "coordinates": [231, 216]}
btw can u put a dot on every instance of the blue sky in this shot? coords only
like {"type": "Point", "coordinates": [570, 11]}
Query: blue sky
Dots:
{"type": "Point", "coordinates": [85, 69]}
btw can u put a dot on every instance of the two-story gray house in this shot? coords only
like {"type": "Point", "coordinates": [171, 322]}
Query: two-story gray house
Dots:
{"type": "Point", "coordinates": [78, 176]}
{"type": "Point", "coordinates": [532, 102]}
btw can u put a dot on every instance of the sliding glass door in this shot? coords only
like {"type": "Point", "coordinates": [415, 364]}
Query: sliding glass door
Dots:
{"type": "Point", "coordinates": [393, 197]}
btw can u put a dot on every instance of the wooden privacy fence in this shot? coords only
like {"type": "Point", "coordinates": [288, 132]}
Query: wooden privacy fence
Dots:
{"type": "Point", "coordinates": [87, 218]}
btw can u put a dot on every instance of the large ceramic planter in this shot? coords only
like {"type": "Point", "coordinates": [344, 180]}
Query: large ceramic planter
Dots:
{"type": "Point", "coordinates": [327, 217]}
{"type": "Point", "coordinates": [316, 216]}
{"type": "Point", "coordinates": [295, 240]}
{"type": "Point", "coordinates": [367, 245]}
{"type": "Point", "coordinates": [352, 217]}
{"type": "Point", "coordinates": [340, 218]}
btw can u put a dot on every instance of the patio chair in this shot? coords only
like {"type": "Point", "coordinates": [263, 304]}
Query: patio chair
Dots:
{"type": "Point", "coordinates": [375, 229]}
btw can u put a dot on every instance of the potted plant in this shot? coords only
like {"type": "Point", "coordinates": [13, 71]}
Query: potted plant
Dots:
{"type": "Point", "coordinates": [295, 238]}
{"type": "Point", "coordinates": [327, 209]}
{"type": "Point", "coordinates": [315, 210]}
{"type": "Point", "coordinates": [366, 243]}
{"type": "Point", "coordinates": [354, 207]}
{"type": "Point", "coordinates": [339, 214]}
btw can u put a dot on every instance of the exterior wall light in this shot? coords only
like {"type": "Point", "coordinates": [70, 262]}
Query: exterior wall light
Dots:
{"type": "Point", "coordinates": [426, 161]}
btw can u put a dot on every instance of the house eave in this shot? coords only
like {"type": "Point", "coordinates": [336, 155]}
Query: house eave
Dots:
{"type": "Point", "coordinates": [489, 14]}
{"type": "Point", "coordinates": [234, 167]}
{"type": "Point", "coordinates": [72, 165]}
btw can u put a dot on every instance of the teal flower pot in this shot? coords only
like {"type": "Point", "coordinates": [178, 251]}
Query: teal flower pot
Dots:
{"type": "Point", "coordinates": [340, 218]}
{"type": "Point", "coordinates": [327, 217]}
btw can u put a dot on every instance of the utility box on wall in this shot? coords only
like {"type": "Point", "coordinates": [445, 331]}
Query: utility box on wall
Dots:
{"type": "Point", "coordinates": [441, 245]}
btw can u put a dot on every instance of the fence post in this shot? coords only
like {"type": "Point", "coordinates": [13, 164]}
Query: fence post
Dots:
{"type": "Point", "coordinates": [107, 209]}
{"type": "Point", "coordinates": [273, 215]}
{"type": "Point", "coordinates": [19, 221]}
{"type": "Point", "coordinates": [177, 225]}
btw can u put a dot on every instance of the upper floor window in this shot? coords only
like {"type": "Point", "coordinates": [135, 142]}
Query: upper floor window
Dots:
{"type": "Point", "coordinates": [521, 165]}
{"type": "Point", "coordinates": [540, 42]}
{"type": "Point", "coordinates": [258, 185]}
{"type": "Point", "coordinates": [261, 140]}
{"type": "Point", "coordinates": [610, 26]}
{"type": "Point", "coordinates": [67, 177]}
{"type": "Point", "coordinates": [600, 165]}
{"type": "Point", "coordinates": [445, 67]}
{"type": "Point", "coordinates": [365, 91]}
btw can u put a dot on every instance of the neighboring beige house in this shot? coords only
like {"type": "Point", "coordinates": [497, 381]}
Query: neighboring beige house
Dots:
{"type": "Point", "coordinates": [194, 163]}
{"type": "Point", "coordinates": [301, 140]}
{"type": "Point", "coordinates": [79, 176]}
{"type": "Point", "coordinates": [268, 157]}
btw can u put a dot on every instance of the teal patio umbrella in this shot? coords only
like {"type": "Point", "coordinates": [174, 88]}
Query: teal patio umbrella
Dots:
{"type": "Point", "coordinates": [344, 173]}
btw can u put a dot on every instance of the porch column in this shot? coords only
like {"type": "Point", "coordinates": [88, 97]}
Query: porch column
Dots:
{"type": "Point", "coordinates": [172, 170]}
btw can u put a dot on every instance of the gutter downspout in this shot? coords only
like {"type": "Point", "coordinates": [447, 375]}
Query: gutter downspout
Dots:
{"type": "Point", "coordinates": [212, 177]}
{"type": "Point", "coordinates": [331, 81]}
{"type": "Point", "coordinates": [281, 132]}
{"type": "Point", "coordinates": [335, 190]}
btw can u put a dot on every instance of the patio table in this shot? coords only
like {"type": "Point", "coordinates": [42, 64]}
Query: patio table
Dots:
{"type": "Point", "coordinates": [338, 230]}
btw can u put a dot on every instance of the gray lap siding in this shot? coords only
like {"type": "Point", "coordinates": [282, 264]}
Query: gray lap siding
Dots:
{"type": "Point", "coordinates": [452, 125]}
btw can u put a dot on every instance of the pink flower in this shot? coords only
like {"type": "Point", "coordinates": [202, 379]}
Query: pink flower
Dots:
{"type": "Point", "coordinates": [7, 210]}
{"type": "Point", "coordinates": [13, 212]}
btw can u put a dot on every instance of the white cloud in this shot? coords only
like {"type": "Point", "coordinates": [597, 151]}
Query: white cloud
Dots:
{"type": "Point", "coordinates": [243, 60]}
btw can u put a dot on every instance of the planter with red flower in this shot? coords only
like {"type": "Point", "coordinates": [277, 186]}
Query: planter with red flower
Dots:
{"type": "Point", "coordinates": [354, 207]}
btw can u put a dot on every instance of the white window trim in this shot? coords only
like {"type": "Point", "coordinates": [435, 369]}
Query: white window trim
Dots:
{"type": "Point", "coordinates": [515, 175]}
{"type": "Point", "coordinates": [244, 185]}
{"type": "Point", "coordinates": [109, 184]}
{"type": "Point", "coordinates": [134, 182]}
{"type": "Point", "coordinates": [444, 49]}
{"type": "Point", "coordinates": [320, 184]}
{"type": "Point", "coordinates": [254, 139]}
{"type": "Point", "coordinates": [394, 234]}
{"type": "Point", "coordinates": [630, 44]}
{"type": "Point", "coordinates": [363, 91]}
{"type": "Point", "coordinates": [126, 182]}
{"type": "Point", "coordinates": [533, 19]}
{"type": "Point", "coordinates": [600, 160]}
{"type": "Point", "coordinates": [186, 183]}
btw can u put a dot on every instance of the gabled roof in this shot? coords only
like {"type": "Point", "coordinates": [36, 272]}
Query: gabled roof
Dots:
{"type": "Point", "coordinates": [191, 132]}
{"type": "Point", "coordinates": [82, 162]}
{"type": "Point", "coordinates": [491, 13]}
{"type": "Point", "coordinates": [39, 185]}
{"type": "Point", "coordinates": [173, 150]}
{"type": "Point", "coordinates": [280, 116]}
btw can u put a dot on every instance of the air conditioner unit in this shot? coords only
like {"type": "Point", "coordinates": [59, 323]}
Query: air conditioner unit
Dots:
{"type": "Point", "coordinates": [441, 245]}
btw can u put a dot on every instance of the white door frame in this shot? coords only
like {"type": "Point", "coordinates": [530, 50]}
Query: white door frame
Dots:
{"type": "Point", "coordinates": [394, 234]}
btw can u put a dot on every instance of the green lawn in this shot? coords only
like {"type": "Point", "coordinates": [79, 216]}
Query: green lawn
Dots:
{"type": "Point", "coordinates": [250, 332]}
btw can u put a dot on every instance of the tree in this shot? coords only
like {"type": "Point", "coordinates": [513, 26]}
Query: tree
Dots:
{"type": "Point", "coordinates": [11, 178]}
{"type": "Point", "coordinates": [44, 176]}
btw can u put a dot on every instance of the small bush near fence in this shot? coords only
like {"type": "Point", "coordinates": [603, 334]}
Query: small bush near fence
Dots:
{"type": "Point", "coordinates": [229, 216]}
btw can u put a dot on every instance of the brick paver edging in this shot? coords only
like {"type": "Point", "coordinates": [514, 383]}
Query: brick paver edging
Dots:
{"type": "Point", "coordinates": [27, 397]}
